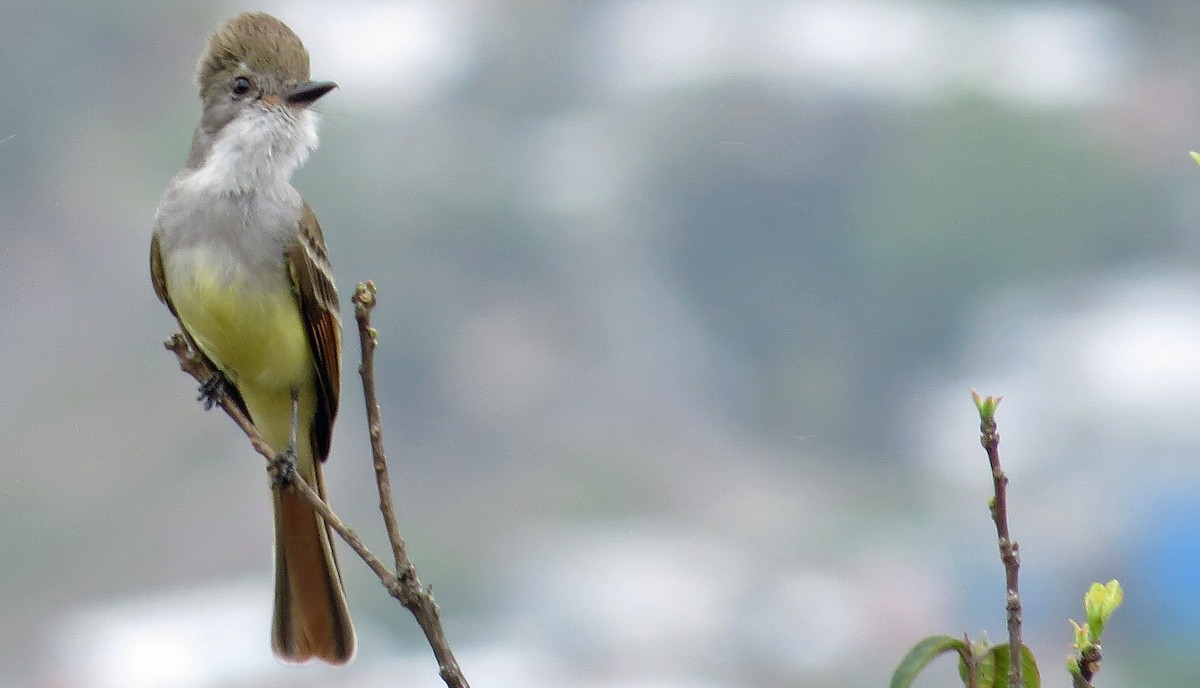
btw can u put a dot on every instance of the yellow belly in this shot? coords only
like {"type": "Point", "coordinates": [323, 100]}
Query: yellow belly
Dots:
{"type": "Point", "coordinates": [254, 333]}
{"type": "Point", "coordinates": [256, 337]}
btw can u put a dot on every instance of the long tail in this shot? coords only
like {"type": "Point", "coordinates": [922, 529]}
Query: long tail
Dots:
{"type": "Point", "coordinates": [311, 618]}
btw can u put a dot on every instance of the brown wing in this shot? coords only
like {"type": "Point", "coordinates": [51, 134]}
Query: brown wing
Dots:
{"type": "Point", "coordinates": [157, 277]}
{"type": "Point", "coordinates": [312, 280]}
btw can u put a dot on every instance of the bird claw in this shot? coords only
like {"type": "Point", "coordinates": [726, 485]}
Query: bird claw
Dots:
{"type": "Point", "coordinates": [282, 469]}
{"type": "Point", "coordinates": [212, 390]}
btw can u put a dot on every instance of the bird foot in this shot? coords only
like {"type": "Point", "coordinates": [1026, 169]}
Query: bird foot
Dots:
{"type": "Point", "coordinates": [282, 469]}
{"type": "Point", "coordinates": [213, 389]}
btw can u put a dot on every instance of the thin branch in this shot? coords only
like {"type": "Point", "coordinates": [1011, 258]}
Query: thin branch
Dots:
{"type": "Point", "coordinates": [971, 660]}
{"type": "Point", "coordinates": [1089, 665]}
{"type": "Point", "coordinates": [1009, 550]}
{"type": "Point", "coordinates": [409, 591]}
{"type": "Point", "coordinates": [364, 302]}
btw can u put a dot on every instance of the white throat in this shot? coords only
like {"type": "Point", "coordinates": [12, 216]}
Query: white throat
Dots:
{"type": "Point", "coordinates": [257, 151]}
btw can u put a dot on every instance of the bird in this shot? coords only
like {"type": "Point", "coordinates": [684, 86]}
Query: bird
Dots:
{"type": "Point", "coordinates": [238, 257]}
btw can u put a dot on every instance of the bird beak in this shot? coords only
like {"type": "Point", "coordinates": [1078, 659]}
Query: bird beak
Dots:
{"type": "Point", "coordinates": [308, 92]}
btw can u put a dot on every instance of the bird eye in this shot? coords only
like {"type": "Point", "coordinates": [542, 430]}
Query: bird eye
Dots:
{"type": "Point", "coordinates": [241, 86]}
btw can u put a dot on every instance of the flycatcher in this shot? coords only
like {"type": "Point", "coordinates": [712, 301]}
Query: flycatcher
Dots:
{"type": "Point", "coordinates": [238, 257]}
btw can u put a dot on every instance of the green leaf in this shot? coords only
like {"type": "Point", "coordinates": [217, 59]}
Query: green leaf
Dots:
{"type": "Point", "coordinates": [1195, 156]}
{"type": "Point", "coordinates": [1083, 635]}
{"type": "Point", "coordinates": [1030, 674]}
{"type": "Point", "coordinates": [986, 405]}
{"type": "Point", "coordinates": [922, 654]}
{"type": "Point", "coordinates": [993, 668]}
{"type": "Point", "coordinates": [1100, 602]}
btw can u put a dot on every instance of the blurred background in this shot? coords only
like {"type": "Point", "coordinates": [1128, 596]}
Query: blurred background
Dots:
{"type": "Point", "coordinates": [680, 306]}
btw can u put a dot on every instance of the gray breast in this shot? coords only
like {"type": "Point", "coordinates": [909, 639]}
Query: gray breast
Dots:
{"type": "Point", "coordinates": [253, 230]}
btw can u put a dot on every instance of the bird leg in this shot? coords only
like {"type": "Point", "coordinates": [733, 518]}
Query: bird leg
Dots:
{"type": "Point", "coordinates": [282, 468]}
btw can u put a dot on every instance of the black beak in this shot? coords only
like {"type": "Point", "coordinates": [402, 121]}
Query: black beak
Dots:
{"type": "Point", "coordinates": [308, 92]}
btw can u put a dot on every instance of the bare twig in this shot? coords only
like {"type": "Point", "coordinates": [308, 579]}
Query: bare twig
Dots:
{"type": "Point", "coordinates": [364, 302]}
{"type": "Point", "coordinates": [408, 589]}
{"type": "Point", "coordinates": [1009, 550]}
